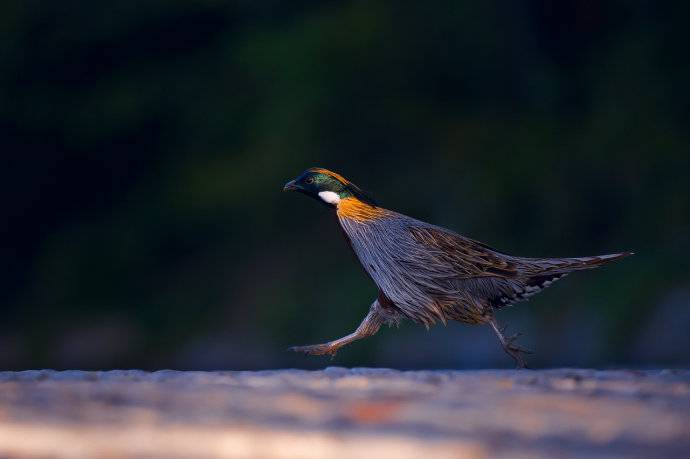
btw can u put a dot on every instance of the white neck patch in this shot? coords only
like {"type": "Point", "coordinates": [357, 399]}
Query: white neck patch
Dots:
{"type": "Point", "coordinates": [330, 197]}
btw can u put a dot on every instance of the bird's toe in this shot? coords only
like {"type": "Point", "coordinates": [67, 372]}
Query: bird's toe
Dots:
{"type": "Point", "coordinates": [316, 349]}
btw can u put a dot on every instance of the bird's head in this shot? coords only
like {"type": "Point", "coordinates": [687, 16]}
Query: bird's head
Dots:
{"type": "Point", "coordinates": [326, 186]}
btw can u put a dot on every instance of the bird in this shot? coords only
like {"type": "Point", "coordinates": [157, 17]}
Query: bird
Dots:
{"type": "Point", "coordinates": [426, 273]}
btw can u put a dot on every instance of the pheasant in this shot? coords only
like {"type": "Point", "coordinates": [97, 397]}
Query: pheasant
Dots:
{"type": "Point", "coordinates": [427, 273]}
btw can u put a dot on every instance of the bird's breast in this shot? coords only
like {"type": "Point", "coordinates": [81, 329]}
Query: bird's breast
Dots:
{"type": "Point", "coordinates": [378, 244]}
{"type": "Point", "coordinates": [392, 258]}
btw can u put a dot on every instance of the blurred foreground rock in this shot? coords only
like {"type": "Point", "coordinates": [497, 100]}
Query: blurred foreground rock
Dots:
{"type": "Point", "coordinates": [339, 413]}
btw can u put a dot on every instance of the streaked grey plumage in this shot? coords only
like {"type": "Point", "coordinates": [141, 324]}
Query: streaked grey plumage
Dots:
{"type": "Point", "coordinates": [427, 273]}
{"type": "Point", "coordinates": [433, 274]}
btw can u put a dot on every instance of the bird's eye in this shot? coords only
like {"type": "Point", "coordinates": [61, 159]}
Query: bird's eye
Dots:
{"type": "Point", "coordinates": [309, 180]}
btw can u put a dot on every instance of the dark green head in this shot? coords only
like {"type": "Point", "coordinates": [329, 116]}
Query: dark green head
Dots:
{"type": "Point", "coordinates": [326, 186]}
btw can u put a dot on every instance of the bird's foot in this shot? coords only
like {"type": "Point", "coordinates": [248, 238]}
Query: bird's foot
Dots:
{"type": "Point", "coordinates": [520, 363]}
{"type": "Point", "coordinates": [516, 351]}
{"type": "Point", "coordinates": [509, 345]}
{"type": "Point", "coordinates": [513, 346]}
{"type": "Point", "coordinates": [316, 349]}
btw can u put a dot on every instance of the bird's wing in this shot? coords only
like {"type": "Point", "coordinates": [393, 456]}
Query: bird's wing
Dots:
{"type": "Point", "coordinates": [489, 274]}
{"type": "Point", "coordinates": [466, 257]}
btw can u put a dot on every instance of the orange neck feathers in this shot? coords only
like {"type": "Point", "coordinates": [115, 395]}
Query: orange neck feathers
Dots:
{"type": "Point", "coordinates": [359, 211]}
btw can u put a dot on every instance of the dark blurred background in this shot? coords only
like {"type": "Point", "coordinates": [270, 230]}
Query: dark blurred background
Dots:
{"type": "Point", "coordinates": [145, 145]}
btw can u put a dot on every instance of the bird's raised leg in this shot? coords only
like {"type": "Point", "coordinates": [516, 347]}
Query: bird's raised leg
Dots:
{"type": "Point", "coordinates": [509, 345]}
{"type": "Point", "coordinates": [369, 326]}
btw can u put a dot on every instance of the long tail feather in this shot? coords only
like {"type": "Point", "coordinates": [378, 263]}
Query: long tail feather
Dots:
{"type": "Point", "coordinates": [553, 265]}
{"type": "Point", "coordinates": [546, 271]}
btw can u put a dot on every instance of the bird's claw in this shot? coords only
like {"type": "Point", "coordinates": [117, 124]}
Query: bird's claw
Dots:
{"type": "Point", "coordinates": [510, 344]}
{"type": "Point", "coordinates": [516, 352]}
{"type": "Point", "coordinates": [315, 349]}
{"type": "Point", "coordinates": [520, 349]}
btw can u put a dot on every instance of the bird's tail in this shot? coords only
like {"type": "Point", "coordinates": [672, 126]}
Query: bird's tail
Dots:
{"type": "Point", "coordinates": [542, 272]}
{"type": "Point", "coordinates": [565, 265]}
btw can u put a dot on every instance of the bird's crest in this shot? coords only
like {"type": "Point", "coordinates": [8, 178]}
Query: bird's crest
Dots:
{"type": "Point", "coordinates": [335, 175]}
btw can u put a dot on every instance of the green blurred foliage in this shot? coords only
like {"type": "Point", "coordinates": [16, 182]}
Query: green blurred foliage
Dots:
{"type": "Point", "coordinates": [146, 143]}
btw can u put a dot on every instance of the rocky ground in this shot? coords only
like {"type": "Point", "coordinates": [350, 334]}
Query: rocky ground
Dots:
{"type": "Point", "coordinates": [339, 413]}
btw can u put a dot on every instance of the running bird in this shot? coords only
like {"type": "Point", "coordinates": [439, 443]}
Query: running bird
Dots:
{"type": "Point", "coordinates": [427, 273]}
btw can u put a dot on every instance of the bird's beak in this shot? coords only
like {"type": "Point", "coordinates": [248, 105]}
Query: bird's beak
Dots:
{"type": "Point", "coordinates": [290, 186]}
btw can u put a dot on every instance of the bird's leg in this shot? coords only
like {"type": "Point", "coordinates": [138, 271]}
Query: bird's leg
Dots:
{"type": "Point", "coordinates": [509, 345]}
{"type": "Point", "coordinates": [369, 326]}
